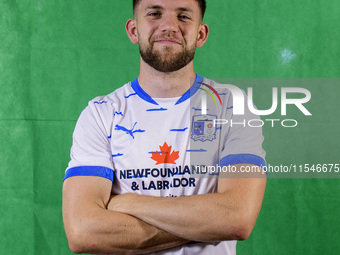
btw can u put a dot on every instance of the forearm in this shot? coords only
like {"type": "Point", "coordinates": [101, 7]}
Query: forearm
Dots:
{"type": "Point", "coordinates": [91, 228]}
{"type": "Point", "coordinates": [104, 231]}
{"type": "Point", "coordinates": [193, 217]}
{"type": "Point", "coordinates": [209, 217]}
{"type": "Point", "coordinates": [203, 218]}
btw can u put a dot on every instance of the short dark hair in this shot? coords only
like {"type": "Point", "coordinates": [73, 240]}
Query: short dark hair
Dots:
{"type": "Point", "coordinates": [201, 3]}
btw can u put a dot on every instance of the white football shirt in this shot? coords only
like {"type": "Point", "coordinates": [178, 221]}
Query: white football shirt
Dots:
{"type": "Point", "coordinates": [155, 146]}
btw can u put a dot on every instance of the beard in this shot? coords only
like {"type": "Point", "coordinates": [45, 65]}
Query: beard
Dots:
{"type": "Point", "coordinates": [167, 61]}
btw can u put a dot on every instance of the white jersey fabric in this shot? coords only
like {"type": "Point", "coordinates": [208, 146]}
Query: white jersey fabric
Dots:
{"type": "Point", "coordinates": [151, 146]}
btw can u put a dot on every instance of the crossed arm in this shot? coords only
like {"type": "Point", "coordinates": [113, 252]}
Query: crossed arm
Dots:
{"type": "Point", "coordinates": [91, 228]}
{"type": "Point", "coordinates": [136, 224]}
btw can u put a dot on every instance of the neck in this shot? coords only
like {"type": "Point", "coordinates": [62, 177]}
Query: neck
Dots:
{"type": "Point", "coordinates": [166, 85]}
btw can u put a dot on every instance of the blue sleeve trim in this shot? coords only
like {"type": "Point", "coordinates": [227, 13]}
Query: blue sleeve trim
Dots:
{"type": "Point", "coordinates": [243, 159]}
{"type": "Point", "coordinates": [90, 171]}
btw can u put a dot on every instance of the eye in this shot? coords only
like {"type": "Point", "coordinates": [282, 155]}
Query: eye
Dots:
{"type": "Point", "coordinates": [154, 14]}
{"type": "Point", "coordinates": [183, 17]}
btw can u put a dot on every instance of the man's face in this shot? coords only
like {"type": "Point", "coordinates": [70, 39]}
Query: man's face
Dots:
{"type": "Point", "coordinates": [167, 32]}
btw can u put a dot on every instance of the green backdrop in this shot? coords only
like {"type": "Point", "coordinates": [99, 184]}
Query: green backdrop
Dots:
{"type": "Point", "coordinates": [57, 55]}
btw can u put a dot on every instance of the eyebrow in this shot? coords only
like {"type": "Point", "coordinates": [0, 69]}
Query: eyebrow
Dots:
{"type": "Point", "coordinates": [153, 7]}
{"type": "Point", "coordinates": [158, 7]}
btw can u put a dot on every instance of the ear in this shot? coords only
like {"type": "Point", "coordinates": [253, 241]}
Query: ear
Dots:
{"type": "Point", "coordinates": [131, 30]}
{"type": "Point", "coordinates": [202, 35]}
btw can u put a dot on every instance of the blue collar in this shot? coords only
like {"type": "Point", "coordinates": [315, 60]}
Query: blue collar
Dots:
{"type": "Point", "coordinates": [143, 95]}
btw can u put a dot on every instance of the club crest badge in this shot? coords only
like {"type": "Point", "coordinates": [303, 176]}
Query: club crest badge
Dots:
{"type": "Point", "coordinates": [203, 128]}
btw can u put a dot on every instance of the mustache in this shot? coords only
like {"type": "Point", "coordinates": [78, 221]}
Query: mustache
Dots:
{"type": "Point", "coordinates": [166, 37]}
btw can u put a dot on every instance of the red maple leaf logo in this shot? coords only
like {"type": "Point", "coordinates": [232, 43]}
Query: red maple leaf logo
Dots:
{"type": "Point", "coordinates": [165, 155]}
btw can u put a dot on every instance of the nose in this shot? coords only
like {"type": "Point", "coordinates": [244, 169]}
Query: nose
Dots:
{"type": "Point", "coordinates": [169, 24]}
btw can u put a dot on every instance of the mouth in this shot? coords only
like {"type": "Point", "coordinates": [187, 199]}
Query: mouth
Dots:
{"type": "Point", "coordinates": [167, 41]}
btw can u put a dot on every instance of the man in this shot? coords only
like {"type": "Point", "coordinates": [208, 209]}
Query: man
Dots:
{"type": "Point", "coordinates": [130, 185]}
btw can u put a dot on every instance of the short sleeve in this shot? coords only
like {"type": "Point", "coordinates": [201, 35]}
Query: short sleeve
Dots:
{"type": "Point", "coordinates": [242, 138]}
{"type": "Point", "coordinates": [91, 152]}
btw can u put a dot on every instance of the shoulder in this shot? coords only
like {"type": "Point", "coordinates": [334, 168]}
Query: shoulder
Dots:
{"type": "Point", "coordinates": [104, 107]}
{"type": "Point", "coordinates": [226, 90]}
{"type": "Point", "coordinates": [223, 86]}
{"type": "Point", "coordinates": [114, 98]}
